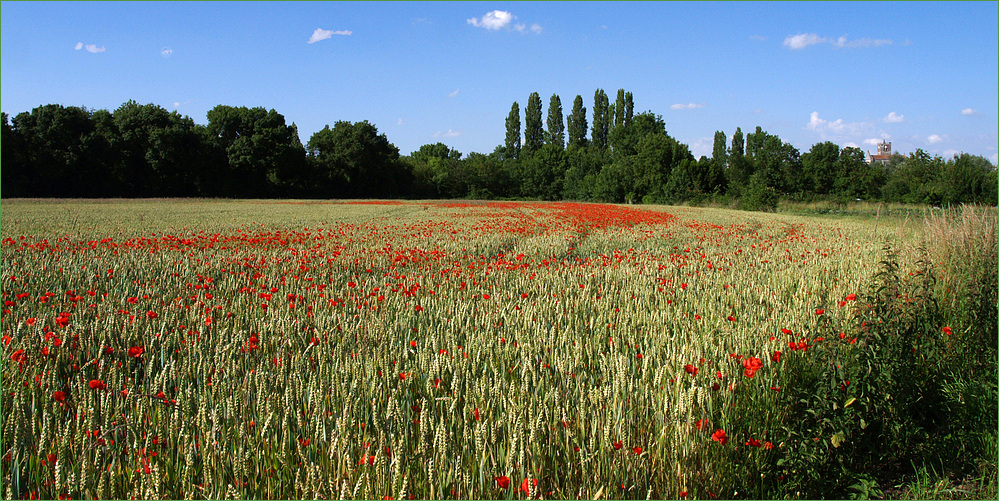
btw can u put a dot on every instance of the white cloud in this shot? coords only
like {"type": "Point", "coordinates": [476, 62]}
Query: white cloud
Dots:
{"type": "Point", "coordinates": [520, 27]}
{"type": "Point", "coordinates": [936, 138]}
{"type": "Point", "coordinates": [79, 45]}
{"type": "Point", "coordinates": [176, 104]}
{"type": "Point", "coordinates": [894, 118]}
{"type": "Point", "coordinates": [94, 49]}
{"type": "Point", "coordinates": [872, 141]}
{"type": "Point", "coordinates": [802, 40]}
{"type": "Point", "coordinates": [536, 28]}
{"type": "Point", "coordinates": [449, 133]}
{"type": "Point", "coordinates": [321, 34]}
{"type": "Point", "coordinates": [166, 52]}
{"type": "Point", "coordinates": [994, 158]}
{"type": "Point", "coordinates": [969, 112]}
{"type": "Point", "coordinates": [837, 128]}
{"type": "Point", "coordinates": [850, 144]}
{"type": "Point", "coordinates": [494, 20]}
{"type": "Point", "coordinates": [688, 106]}
{"type": "Point", "coordinates": [757, 38]}
{"type": "Point", "coordinates": [861, 42]}
{"type": "Point", "coordinates": [455, 93]}
{"type": "Point", "coordinates": [398, 121]}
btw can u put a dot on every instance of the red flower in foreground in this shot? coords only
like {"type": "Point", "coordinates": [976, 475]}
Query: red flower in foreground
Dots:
{"type": "Point", "coordinates": [819, 311]}
{"type": "Point", "coordinates": [754, 443]}
{"type": "Point", "coordinates": [617, 445]}
{"type": "Point", "coordinates": [476, 414]}
{"type": "Point", "coordinates": [851, 297]}
{"type": "Point", "coordinates": [136, 351]}
{"type": "Point", "coordinates": [59, 396]}
{"type": "Point", "coordinates": [752, 364]}
{"type": "Point", "coordinates": [947, 331]}
{"type": "Point", "coordinates": [97, 384]}
{"type": "Point", "coordinates": [690, 369]}
{"type": "Point", "coordinates": [720, 436]}
{"type": "Point", "coordinates": [503, 482]}
{"type": "Point", "coordinates": [413, 344]}
{"type": "Point", "coordinates": [637, 450]}
{"type": "Point", "coordinates": [528, 485]}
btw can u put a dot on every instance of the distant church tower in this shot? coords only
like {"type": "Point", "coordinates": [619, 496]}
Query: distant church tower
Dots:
{"type": "Point", "coordinates": [883, 156]}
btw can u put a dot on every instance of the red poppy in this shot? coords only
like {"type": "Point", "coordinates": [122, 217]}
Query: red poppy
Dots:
{"type": "Point", "coordinates": [690, 369]}
{"type": "Point", "coordinates": [720, 436]}
{"type": "Point", "coordinates": [476, 413]}
{"type": "Point", "coordinates": [528, 485]}
{"type": "Point", "coordinates": [413, 344]}
{"type": "Point", "coordinates": [136, 351]}
{"type": "Point", "coordinates": [819, 311]}
{"type": "Point", "coordinates": [62, 320]}
{"type": "Point", "coordinates": [851, 297]}
{"type": "Point", "coordinates": [617, 445]}
{"type": "Point", "coordinates": [59, 396]}
{"type": "Point", "coordinates": [776, 356]}
{"type": "Point", "coordinates": [639, 356]}
{"type": "Point", "coordinates": [503, 482]}
{"type": "Point", "coordinates": [752, 364]}
{"type": "Point", "coordinates": [947, 331]}
{"type": "Point", "coordinates": [637, 450]}
{"type": "Point", "coordinates": [151, 314]}
{"type": "Point", "coordinates": [730, 318]}
{"type": "Point", "coordinates": [753, 442]}
{"type": "Point", "coordinates": [97, 384]}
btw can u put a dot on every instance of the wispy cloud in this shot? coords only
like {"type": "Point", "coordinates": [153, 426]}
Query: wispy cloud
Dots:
{"type": "Point", "coordinates": [757, 38]}
{"type": "Point", "coordinates": [536, 28]}
{"type": "Point", "coordinates": [837, 128]}
{"type": "Point", "coordinates": [449, 133]}
{"type": "Point", "coordinates": [321, 34]}
{"type": "Point", "coordinates": [688, 106]}
{"type": "Point", "coordinates": [893, 118]}
{"type": "Point", "coordinates": [861, 42]}
{"type": "Point", "coordinates": [455, 93]}
{"type": "Point", "coordinates": [398, 121]}
{"type": "Point", "coordinates": [91, 48]}
{"type": "Point", "coordinates": [166, 52]}
{"type": "Point", "coordinates": [936, 138]}
{"type": "Point", "coordinates": [968, 112]}
{"type": "Point", "coordinates": [802, 40]}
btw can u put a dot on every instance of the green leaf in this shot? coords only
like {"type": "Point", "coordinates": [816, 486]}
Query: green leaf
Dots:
{"type": "Point", "coordinates": [849, 402]}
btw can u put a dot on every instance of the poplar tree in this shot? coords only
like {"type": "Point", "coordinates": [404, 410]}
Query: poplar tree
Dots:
{"type": "Point", "coordinates": [534, 134]}
{"type": "Point", "coordinates": [601, 119]}
{"type": "Point", "coordinates": [513, 132]}
{"type": "Point", "coordinates": [556, 126]}
{"type": "Point", "coordinates": [577, 124]}
{"type": "Point", "coordinates": [619, 109]}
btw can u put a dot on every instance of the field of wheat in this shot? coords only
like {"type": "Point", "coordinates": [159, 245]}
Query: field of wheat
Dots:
{"type": "Point", "coordinates": [394, 350]}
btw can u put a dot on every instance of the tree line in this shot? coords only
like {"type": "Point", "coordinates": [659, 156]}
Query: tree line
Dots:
{"type": "Point", "coordinates": [615, 156]}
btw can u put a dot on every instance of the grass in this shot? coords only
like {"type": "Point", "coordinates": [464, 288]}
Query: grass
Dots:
{"type": "Point", "coordinates": [433, 349]}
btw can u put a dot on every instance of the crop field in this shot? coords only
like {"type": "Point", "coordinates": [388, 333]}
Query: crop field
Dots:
{"type": "Point", "coordinates": [502, 350]}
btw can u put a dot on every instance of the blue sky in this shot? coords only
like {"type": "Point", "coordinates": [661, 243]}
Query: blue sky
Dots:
{"type": "Point", "coordinates": [919, 74]}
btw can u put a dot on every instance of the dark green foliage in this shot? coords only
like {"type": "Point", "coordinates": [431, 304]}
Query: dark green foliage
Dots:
{"type": "Point", "coordinates": [354, 161]}
{"type": "Point", "coordinates": [147, 151]}
{"type": "Point", "coordinates": [512, 143]}
{"type": "Point", "coordinates": [555, 134]}
{"type": "Point", "coordinates": [601, 120]}
{"type": "Point", "coordinates": [576, 124]}
{"type": "Point", "coordinates": [534, 134]}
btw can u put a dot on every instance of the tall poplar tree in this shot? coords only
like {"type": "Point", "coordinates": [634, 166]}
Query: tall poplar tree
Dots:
{"type": "Point", "coordinates": [736, 171]}
{"type": "Point", "coordinates": [556, 126]}
{"type": "Point", "coordinates": [629, 108]}
{"type": "Point", "coordinates": [601, 119]}
{"type": "Point", "coordinates": [719, 153]}
{"type": "Point", "coordinates": [513, 132]}
{"type": "Point", "coordinates": [577, 124]}
{"type": "Point", "coordinates": [534, 133]}
{"type": "Point", "coordinates": [619, 109]}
